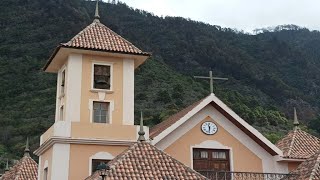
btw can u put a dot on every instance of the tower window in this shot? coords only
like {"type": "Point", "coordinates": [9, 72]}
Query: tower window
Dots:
{"type": "Point", "coordinates": [101, 112]}
{"type": "Point", "coordinates": [45, 173]}
{"type": "Point", "coordinates": [62, 82]}
{"type": "Point", "coordinates": [96, 162]}
{"type": "Point", "coordinates": [61, 113]}
{"type": "Point", "coordinates": [101, 77]}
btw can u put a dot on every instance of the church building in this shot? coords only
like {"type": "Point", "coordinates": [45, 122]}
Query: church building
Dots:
{"type": "Point", "coordinates": [94, 125]}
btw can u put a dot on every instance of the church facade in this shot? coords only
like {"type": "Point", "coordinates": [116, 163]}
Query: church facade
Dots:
{"type": "Point", "coordinates": [94, 122]}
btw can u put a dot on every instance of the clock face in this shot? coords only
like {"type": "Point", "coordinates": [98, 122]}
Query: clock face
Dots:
{"type": "Point", "coordinates": [209, 128]}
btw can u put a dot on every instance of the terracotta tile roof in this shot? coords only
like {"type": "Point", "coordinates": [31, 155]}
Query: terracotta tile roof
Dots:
{"type": "Point", "coordinates": [97, 36]}
{"type": "Point", "coordinates": [298, 144]}
{"type": "Point", "coordinates": [309, 169]}
{"type": "Point", "coordinates": [157, 129]}
{"type": "Point", "coordinates": [25, 169]}
{"type": "Point", "coordinates": [144, 161]}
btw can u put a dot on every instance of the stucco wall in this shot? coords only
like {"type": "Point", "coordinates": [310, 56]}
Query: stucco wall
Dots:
{"type": "Point", "coordinates": [243, 158]}
{"type": "Point", "coordinates": [103, 131]}
{"type": "Point", "coordinates": [80, 157]}
{"type": "Point", "coordinates": [46, 156]}
{"type": "Point", "coordinates": [116, 95]}
{"type": "Point", "coordinates": [293, 165]}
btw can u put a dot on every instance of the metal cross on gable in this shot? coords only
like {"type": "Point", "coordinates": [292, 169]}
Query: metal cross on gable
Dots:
{"type": "Point", "coordinates": [211, 78]}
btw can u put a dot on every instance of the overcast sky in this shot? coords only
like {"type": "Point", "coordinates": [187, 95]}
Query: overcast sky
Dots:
{"type": "Point", "coordinates": [244, 15]}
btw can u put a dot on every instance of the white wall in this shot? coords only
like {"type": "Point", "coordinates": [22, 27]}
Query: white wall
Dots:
{"type": "Point", "coordinates": [73, 88]}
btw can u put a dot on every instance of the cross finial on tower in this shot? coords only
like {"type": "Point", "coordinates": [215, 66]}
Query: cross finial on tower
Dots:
{"type": "Point", "coordinates": [96, 15]}
{"type": "Point", "coordinates": [211, 78]}
{"type": "Point", "coordinates": [295, 118]}
{"type": "Point", "coordinates": [7, 166]}
{"type": "Point", "coordinates": [27, 150]}
{"type": "Point", "coordinates": [141, 132]}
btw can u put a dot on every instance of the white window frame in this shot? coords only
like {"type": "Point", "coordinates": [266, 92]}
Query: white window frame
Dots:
{"type": "Point", "coordinates": [99, 155]}
{"type": "Point", "coordinates": [110, 110]}
{"type": "Point", "coordinates": [111, 76]}
{"type": "Point", "coordinates": [63, 69]}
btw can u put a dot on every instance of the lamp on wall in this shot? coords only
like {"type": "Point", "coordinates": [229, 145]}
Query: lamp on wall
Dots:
{"type": "Point", "coordinates": [103, 168]}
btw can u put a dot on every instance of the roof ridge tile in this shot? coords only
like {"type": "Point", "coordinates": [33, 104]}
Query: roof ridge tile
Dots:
{"type": "Point", "coordinates": [292, 141]}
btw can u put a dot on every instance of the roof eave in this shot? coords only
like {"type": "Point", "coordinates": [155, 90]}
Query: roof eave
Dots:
{"type": "Point", "coordinates": [142, 56]}
{"type": "Point", "coordinates": [53, 55]}
{"type": "Point", "coordinates": [238, 121]}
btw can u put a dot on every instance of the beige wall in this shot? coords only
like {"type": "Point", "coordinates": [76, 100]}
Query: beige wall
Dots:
{"type": "Point", "coordinates": [45, 136]}
{"type": "Point", "coordinates": [80, 155]}
{"type": "Point", "coordinates": [103, 131]}
{"type": "Point", "coordinates": [115, 96]}
{"type": "Point", "coordinates": [243, 158]}
{"type": "Point", "coordinates": [46, 156]}
{"type": "Point", "coordinates": [293, 165]}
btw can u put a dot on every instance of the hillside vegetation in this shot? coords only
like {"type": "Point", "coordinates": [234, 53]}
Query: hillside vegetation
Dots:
{"type": "Point", "coordinates": [269, 73]}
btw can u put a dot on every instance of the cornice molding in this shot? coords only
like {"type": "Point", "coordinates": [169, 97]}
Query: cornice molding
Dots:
{"type": "Point", "coordinates": [63, 140]}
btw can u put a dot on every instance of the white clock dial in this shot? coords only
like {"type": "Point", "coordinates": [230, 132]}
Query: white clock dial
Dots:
{"type": "Point", "coordinates": [209, 128]}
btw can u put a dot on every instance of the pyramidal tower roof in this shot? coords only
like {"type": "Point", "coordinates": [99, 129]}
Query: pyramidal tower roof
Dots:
{"type": "Point", "coordinates": [298, 144]}
{"type": "Point", "coordinates": [26, 168]}
{"type": "Point", "coordinates": [98, 37]}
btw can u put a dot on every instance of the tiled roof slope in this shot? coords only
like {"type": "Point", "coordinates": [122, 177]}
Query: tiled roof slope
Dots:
{"type": "Point", "coordinates": [298, 144]}
{"type": "Point", "coordinates": [157, 129]}
{"type": "Point", "coordinates": [97, 36]}
{"type": "Point", "coordinates": [25, 169]}
{"type": "Point", "coordinates": [144, 161]}
{"type": "Point", "coordinates": [309, 169]}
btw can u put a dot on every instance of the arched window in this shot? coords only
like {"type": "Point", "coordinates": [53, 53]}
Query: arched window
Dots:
{"type": "Point", "coordinates": [95, 160]}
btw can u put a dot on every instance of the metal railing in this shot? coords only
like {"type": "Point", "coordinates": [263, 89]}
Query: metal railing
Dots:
{"type": "Point", "coordinates": [228, 175]}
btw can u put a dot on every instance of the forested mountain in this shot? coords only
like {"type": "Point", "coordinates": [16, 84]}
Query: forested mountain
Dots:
{"type": "Point", "coordinates": [269, 73]}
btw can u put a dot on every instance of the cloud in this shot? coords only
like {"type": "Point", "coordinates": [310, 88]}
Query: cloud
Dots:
{"type": "Point", "coordinates": [241, 14]}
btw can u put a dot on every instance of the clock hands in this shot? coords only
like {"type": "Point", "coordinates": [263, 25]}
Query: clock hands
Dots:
{"type": "Point", "coordinates": [209, 128]}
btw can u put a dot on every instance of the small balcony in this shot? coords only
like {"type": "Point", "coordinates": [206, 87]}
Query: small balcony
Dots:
{"type": "Point", "coordinates": [228, 175]}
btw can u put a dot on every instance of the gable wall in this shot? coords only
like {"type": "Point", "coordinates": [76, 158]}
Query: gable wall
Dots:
{"type": "Point", "coordinates": [221, 140]}
{"type": "Point", "coordinates": [182, 139]}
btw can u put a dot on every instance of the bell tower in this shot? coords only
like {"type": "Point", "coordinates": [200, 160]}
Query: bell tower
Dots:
{"type": "Point", "coordinates": [94, 117]}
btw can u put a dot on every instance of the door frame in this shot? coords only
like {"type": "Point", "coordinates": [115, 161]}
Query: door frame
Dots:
{"type": "Point", "coordinates": [210, 144]}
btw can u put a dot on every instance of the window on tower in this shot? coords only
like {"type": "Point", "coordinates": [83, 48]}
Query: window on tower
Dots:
{"type": "Point", "coordinates": [45, 173]}
{"type": "Point", "coordinates": [101, 77]}
{"type": "Point", "coordinates": [61, 113]}
{"type": "Point", "coordinates": [62, 82]}
{"type": "Point", "coordinates": [101, 112]}
{"type": "Point", "coordinates": [96, 162]}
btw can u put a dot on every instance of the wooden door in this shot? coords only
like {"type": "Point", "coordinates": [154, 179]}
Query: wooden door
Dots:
{"type": "Point", "coordinates": [211, 160]}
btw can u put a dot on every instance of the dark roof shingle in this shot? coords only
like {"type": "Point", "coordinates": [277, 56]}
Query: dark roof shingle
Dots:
{"type": "Point", "coordinates": [144, 161]}
{"type": "Point", "coordinates": [298, 144]}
